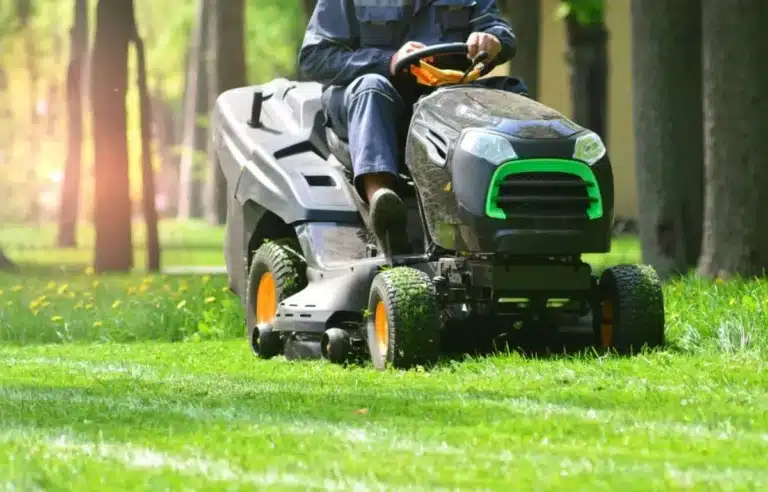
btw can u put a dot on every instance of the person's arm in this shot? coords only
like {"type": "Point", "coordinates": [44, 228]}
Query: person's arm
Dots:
{"type": "Point", "coordinates": [487, 18]}
{"type": "Point", "coordinates": [331, 54]}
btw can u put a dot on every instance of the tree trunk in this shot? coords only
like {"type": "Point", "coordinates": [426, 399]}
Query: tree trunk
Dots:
{"type": "Point", "coordinates": [70, 190]}
{"type": "Point", "coordinates": [24, 10]}
{"type": "Point", "coordinates": [669, 153]}
{"type": "Point", "coordinates": [525, 18]}
{"type": "Point", "coordinates": [195, 108]}
{"type": "Point", "coordinates": [112, 200]}
{"type": "Point", "coordinates": [230, 74]}
{"type": "Point", "coordinates": [735, 129]}
{"type": "Point", "coordinates": [167, 179]}
{"type": "Point", "coordinates": [587, 55]}
{"type": "Point", "coordinates": [147, 173]}
{"type": "Point", "coordinates": [5, 262]}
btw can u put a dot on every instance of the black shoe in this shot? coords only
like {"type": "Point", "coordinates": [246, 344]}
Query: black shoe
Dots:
{"type": "Point", "coordinates": [389, 221]}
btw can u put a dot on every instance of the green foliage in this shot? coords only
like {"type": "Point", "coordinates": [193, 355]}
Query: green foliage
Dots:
{"type": "Point", "coordinates": [585, 12]}
{"type": "Point", "coordinates": [84, 308]}
{"type": "Point", "coordinates": [273, 33]}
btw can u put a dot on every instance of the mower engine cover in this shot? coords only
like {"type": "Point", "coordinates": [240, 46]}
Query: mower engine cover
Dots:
{"type": "Point", "coordinates": [498, 172]}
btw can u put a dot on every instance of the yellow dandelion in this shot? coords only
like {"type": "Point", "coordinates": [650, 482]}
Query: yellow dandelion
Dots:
{"type": "Point", "coordinates": [71, 294]}
{"type": "Point", "coordinates": [89, 306]}
{"type": "Point", "coordinates": [209, 300]}
{"type": "Point", "coordinates": [143, 288]}
{"type": "Point", "coordinates": [51, 285]}
{"type": "Point", "coordinates": [116, 304]}
{"type": "Point", "coordinates": [183, 288]}
{"type": "Point", "coordinates": [225, 289]}
{"type": "Point", "coordinates": [97, 324]}
{"type": "Point", "coordinates": [95, 284]}
{"type": "Point", "coordinates": [206, 278]}
{"type": "Point", "coordinates": [1, 292]}
{"type": "Point", "coordinates": [181, 304]}
{"type": "Point", "coordinates": [56, 319]}
{"type": "Point", "coordinates": [131, 290]}
{"type": "Point", "coordinates": [90, 271]}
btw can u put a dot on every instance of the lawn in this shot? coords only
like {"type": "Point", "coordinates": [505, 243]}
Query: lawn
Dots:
{"type": "Point", "coordinates": [192, 243]}
{"type": "Point", "coordinates": [143, 383]}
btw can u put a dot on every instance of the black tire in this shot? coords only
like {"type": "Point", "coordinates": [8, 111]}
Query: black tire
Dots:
{"type": "Point", "coordinates": [266, 343]}
{"type": "Point", "coordinates": [336, 346]}
{"type": "Point", "coordinates": [629, 314]}
{"type": "Point", "coordinates": [288, 272]}
{"type": "Point", "coordinates": [409, 303]}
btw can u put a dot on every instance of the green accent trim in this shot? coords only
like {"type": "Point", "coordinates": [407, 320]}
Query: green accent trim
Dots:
{"type": "Point", "coordinates": [566, 166]}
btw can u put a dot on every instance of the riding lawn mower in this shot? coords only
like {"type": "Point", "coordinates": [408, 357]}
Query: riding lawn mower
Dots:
{"type": "Point", "coordinates": [505, 195]}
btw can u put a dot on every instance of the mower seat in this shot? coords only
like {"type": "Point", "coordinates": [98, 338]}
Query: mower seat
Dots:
{"type": "Point", "coordinates": [339, 148]}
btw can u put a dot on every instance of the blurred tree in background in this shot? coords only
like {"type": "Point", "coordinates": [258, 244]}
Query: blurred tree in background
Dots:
{"type": "Point", "coordinates": [140, 125]}
{"type": "Point", "coordinates": [669, 150]}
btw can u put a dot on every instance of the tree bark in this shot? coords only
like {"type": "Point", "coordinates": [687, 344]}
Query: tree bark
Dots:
{"type": "Point", "coordinates": [70, 190]}
{"type": "Point", "coordinates": [195, 108]}
{"type": "Point", "coordinates": [112, 200]}
{"type": "Point", "coordinates": [669, 141]}
{"type": "Point", "coordinates": [5, 262]}
{"type": "Point", "coordinates": [735, 129]}
{"type": "Point", "coordinates": [24, 11]}
{"type": "Point", "coordinates": [587, 55]}
{"type": "Point", "coordinates": [525, 18]}
{"type": "Point", "coordinates": [230, 74]}
{"type": "Point", "coordinates": [167, 178]}
{"type": "Point", "coordinates": [147, 173]}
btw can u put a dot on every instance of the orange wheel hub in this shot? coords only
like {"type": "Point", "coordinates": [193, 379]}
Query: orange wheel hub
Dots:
{"type": "Point", "coordinates": [381, 325]}
{"type": "Point", "coordinates": [266, 299]}
{"type": "Point", "coordinates": [606, 326]}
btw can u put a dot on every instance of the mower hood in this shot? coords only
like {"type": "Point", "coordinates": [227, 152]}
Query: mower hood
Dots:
{"type": "Point", "coordinates": [469, 106]}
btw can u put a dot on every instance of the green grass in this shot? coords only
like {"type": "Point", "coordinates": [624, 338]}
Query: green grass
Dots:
{"type": "Point", "coordinates": [95, 396]}
{"type": "Point", "coordinates": [189, 243]}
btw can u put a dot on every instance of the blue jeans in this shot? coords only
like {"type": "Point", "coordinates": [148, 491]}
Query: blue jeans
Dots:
{"type": "Point", "coordinates": [374, 116]}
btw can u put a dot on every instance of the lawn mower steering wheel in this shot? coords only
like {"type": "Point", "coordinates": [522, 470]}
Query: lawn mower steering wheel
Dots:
{"type": "Point", "coordinates": [415, 57]}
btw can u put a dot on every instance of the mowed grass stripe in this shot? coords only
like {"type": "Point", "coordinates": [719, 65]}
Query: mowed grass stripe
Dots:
{"type": "Point", "coordinates": [668, 420]}
{"type": "Point", "coordinates": [66, 454]}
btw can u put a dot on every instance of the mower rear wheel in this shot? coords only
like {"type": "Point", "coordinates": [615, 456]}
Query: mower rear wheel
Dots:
{"type": "Point", "coordinates": [630, 310]}
{"type": "Point", "coordinates": [403, 326]}
{"type": "Point", "coordinates": [276, 273]}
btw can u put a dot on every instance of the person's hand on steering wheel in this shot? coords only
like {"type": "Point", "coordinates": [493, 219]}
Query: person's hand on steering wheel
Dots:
{"type": "Point", "coordinates": [404, 50]}
{"type": "Point", "coordinates": [483, 41]}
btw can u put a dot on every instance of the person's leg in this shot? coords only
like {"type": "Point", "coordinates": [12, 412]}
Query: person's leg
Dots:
{"type": "Point", "coordinates": [374, 111]}
{"type": "Point", "coordinates": [373, 108]}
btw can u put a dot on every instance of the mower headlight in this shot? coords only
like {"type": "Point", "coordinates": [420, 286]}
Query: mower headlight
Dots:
{"type": "Point", "coordinates": [589, 148]}
{"type": "Point", "coordinates": [488, 146]}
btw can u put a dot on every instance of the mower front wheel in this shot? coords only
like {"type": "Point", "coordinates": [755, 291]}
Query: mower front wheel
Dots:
{"type": "Point", "coordinates": [403, 324]}
{"type": "Point", "coordinates": [276, 273]}
{"type": "Point", "coordinates": [629, 313]}
{"type": "Point", "coordinates": [266, 343]}
{"type": "Point", "coordinates": [335, 345]}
